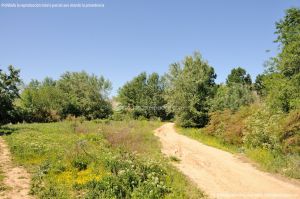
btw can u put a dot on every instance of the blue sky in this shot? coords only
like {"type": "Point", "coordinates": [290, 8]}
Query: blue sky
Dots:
{"type": "Point", "coordinates": [127, 37]}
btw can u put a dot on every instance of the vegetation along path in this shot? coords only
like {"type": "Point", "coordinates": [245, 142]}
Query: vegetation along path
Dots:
{"type": "Point", "coordinates": [220, 174]}
{"type": "Point", "coordinates": [16, 182]}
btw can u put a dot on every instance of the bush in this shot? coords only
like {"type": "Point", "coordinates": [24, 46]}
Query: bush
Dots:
{"type": "Point", "coordinates": [232, 97]}
{"type": "Point", "coordinates": [131, 178]}
{"type": "Point", "coordinates": [229, 125]}
{"type": "Point", "coordinates": [290, 134]}
{"type": "Point", "coordinates": [143, 96]}
{"type": "Point", "coordinates": [80, 162]}
{"type": "Point", "coordinates": [263, 130]}
{"type": "Point", "coordinates": [78, 94]}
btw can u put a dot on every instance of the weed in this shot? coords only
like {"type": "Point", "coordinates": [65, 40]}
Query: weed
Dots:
{"type": "Point", "coordinates": [174, 158]}
{"type": "Point", "coordinates": [106, 163]}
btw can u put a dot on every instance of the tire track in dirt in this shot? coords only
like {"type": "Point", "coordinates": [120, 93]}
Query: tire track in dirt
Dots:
{"type": "Point", "coordinates": [17, 179]}
{"type": "Point", "coordinates": [221, 174]}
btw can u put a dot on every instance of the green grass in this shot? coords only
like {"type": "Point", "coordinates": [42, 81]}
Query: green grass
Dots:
{"type": "Point", "coordinates": [275, 162]}
{"type": "Point", "coordinates": [266, 160]}
{"type": "Point", "coordinates": [2, 187]}
{"type": "Point", "coordinates": [196, 134]}
{"type": "Point", "coordinates": [97, 159]}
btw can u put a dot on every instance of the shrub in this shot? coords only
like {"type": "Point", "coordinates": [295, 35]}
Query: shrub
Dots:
{"type": "Point", "coordinates": [131, 178]}
{"type": "Point", "coordinates": [290, 135]}
{"type": "Point", "coordinates": [232, 97]}
{"type": "Point", "coordinates": [263, 130]}
{"type": "Point", "coordinates": [80, 162]}
{"type": "Point", "coordinates": [143, 96]}
{"type": "Point", "coordinates": [229, 125]}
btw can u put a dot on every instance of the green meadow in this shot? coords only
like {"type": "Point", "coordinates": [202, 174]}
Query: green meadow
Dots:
{"type": "Point", "coordinates": [96, 159]}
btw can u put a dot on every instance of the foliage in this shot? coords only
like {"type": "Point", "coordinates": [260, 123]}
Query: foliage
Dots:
{"type": "Point", "coordinates": [87, 95]}
{"type": "Point", "coordinates": [271, 140]}
{"type": "Point", "coordinates": [259, 84]}
{"type": "Point", "coordinates": [229, 125]}
{"type": "Point", "coordinates": [279, 131]}
{"type": "Point", "coordinates": [290, 133]}
{"type": "Point", "coordinates": [9, 91]}
{"type": "Point", "coordinates": [283, 94]}
{"type": "Point", "coordinates": [262, 130]}
{"type": "Point", "coordinates": [77, 94]}
{"type": "Point", "coordinates": [143, 96]}
{"type": "Point", "coordinates": [69, 164]}
{"type": "Point", "coordinates": [283, 79]}
{"type": "Point", "coordinates": [239, 76]}
{"type": "Point", "coordinates": [42, 101]}
{"type": "Point", "coordinates": [189, 89]}
{"type": "Point", "coordinates": [232, 97]}
{"type": "Point", "coordinates": [287, 29]}
{"type": "Point", "coordinates": [131, 178]}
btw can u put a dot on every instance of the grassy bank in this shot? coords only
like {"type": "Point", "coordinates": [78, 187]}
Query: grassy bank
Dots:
{"type": "Point", "coordinates": [2, 187]}
{"type": "Point", "coordinates": [266, 160]}
{"type": "Point", "coordinates": [97, 159]}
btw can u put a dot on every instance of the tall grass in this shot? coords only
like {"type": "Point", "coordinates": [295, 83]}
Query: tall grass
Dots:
{"type": "Point", "coordinates": [210, 140]}
{"type": "Point", "coordinates": [97, 159]}
{"type": "Point", "coordinates": [2, 186]}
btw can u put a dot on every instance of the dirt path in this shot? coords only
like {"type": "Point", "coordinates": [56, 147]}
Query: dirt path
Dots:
{"type": "Point", "coordinates": [220, 174]}
{"type": "Point", "coordinates": [17, 180]}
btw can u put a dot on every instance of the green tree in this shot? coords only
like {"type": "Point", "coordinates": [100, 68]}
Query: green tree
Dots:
{"type": "Point", "coordinates": [42, 101]}
{"type": "Point", "coordinates": [143, 96]}
{"type": "Point", "coordinates": [259, 84]}
{"type": "Point", "coordinates": [87, 95]}
{"type": "Point", "coordinates": [9, 91]}
{"type": "Point", "coordinates": [287, 29]}
{"type": "Point", "coordinates": [282, 80]}
{"type": "Point", "coordinates": [239, 75]}
{"type": "Point", "coordinates": [232, 97]}
{"type": "Point", "coordinates": [189, 88]}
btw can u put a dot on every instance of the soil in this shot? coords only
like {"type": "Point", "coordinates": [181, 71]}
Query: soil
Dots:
{"type": "Point", "coordinates": [221, 174]}
{"type": "Point", "coordinates": [16, 183]}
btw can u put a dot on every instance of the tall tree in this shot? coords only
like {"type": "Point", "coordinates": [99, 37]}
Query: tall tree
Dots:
{"type": "Point", "coordinates": [42, 101]}
{"type": "Point", "coordinates": [190, 87]}
{"type": "Point", "coordinates": [87, 95]}
{"type": "Point", "coordinates": [288, 31]}
{"type": "Point", "coordinates": [259, 84]}
{"type": "Point", "coordinates": [232, 97]}
{"type": "Point", "coordinates": [239, 75]}
{"type": "Point", "coordinates": [9, 91]}
{"type": "Point", "coordinates": [282, 81]}
{"type": "Point", "coordinates": [143, 96]}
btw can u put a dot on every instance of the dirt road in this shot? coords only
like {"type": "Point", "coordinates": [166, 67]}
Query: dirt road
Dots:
{"type": "Point", "coordinates": [17, 180]}
{"type": "Point", "coordinates": [220, 174]}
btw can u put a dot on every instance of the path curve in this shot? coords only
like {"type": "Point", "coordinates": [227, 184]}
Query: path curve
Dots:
{"type": "Point", "coordinates": [17, 180]}
{"type": "Point", "coordinates": [220, 174]}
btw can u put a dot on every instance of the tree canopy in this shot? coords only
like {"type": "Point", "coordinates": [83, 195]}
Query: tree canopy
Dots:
{"type": "Point", "coordinates": [9, 91]}
{"type": "Point", "coordinates": [190, 86]}
{"type": "Point", "coordinates": [282, 79]}
{"type": "Point", "coordinates": [143, 96]}
{"type": "Point", "coordinates": [239, 75]}
{"type": "Point", "coordinates": [75, 93]}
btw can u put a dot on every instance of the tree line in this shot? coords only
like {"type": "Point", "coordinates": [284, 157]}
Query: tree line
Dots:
{"type": "Point", "coordinates": [187, 93]}
{"type": "Point", "coordinates": [74, 93]}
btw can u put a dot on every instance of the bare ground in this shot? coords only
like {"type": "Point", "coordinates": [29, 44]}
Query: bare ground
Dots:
{"type": "Point", "coordinates": [17, 180]}
{"type": "Point", "coordinates": [221, 174]}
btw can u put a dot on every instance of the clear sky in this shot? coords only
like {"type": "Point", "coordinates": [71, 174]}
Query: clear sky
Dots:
{"type": "Point", "coordinates": [127, 37]}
